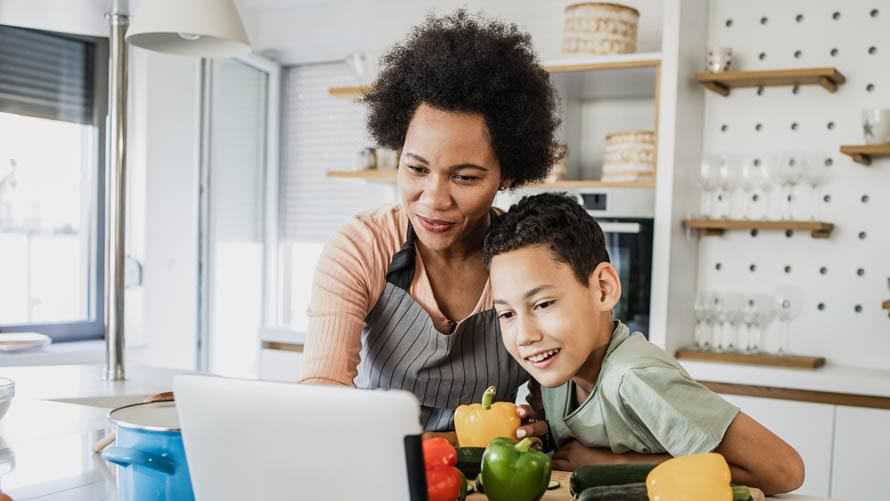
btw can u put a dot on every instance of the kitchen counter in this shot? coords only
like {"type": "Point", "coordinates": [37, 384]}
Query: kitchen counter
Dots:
{"type": "Point", "coordinates": [47, 435]}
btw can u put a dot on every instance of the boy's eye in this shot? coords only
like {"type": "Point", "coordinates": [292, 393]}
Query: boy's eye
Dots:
{"type": "Point", "coordinates": [415, 169]}
{"type": "Point", "coordinates": [505, 315]}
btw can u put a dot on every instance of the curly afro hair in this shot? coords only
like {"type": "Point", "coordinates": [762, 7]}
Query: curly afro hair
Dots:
{"type": "Point", "coordinates": [555, 221]}
{"type": "Point", "coordinates": [464, 63]}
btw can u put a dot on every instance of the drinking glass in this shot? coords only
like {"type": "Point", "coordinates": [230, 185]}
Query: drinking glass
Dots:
{"type": "Point", "coordinates": [816, 175]}
{"type": "Point", "coordinates": [790, 172]}
{"type": "Point", "coordinates": [766, 180]}
{"type": "Point", "coordinates": [787, 303]}
{"type": "Point", "coordinates": [748, 183]}
{"type": "Point", "coordinates": [707, 183]}
{"type": "Point", "coordinates": [735, 309]}
{"type": "Point", "coordinates": [701, 307]}
{"type": "Point", "coordinates": [728, 180]}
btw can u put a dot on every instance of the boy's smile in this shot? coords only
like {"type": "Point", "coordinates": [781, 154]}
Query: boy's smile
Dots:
{"type": "Point", "coordinates": [550, 322]}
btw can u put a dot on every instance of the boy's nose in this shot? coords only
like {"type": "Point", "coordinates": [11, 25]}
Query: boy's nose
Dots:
{"type": "Point", "coordinates": [527, 332]}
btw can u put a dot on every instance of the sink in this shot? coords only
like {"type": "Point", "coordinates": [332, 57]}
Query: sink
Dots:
{"type": "Point", "coordinates": [104, 402]}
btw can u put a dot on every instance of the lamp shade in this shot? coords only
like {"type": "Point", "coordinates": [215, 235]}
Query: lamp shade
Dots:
{"type": "Point", "coordinates": [200, 28]}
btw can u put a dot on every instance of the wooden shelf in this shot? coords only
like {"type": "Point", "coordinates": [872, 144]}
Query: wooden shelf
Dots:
{"type": "Point", "coordinates": [349, 92]}
{"type": "Point", "coordinates": [389, 176]}
{"type": "Point", "coordinates": [711, 227]}
{"type": "Point", "coordinates": [886, 305]}
{"type": "Point", "coordinates": [829, 78]}
{"type": "Point", "coordinates": [863, 153]}
{"type": "Point", "coordinates": [792, 361]}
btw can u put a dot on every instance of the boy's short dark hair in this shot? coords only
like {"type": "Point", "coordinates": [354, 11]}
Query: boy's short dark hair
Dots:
{"type": "Point", "coordinates": [556, 221]}
{"type": "Point", "coordinates": [466, 63]}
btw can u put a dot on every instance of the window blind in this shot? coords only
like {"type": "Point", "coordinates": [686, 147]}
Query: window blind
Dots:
{"type": "Point", "coordinates": [46, 75]}
{"type": "Point", "coordinates": [322, 133]}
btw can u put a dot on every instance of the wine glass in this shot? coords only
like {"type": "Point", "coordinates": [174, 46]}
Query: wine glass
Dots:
{"type": "Point", "coordinates": [787, 303]}
{"type": "Point", "coordinates": [759, 312]}
{"type": "Point", "coordinates": [728, 180]}
{"type": "Point", "coordinates": [701, 334]}
{"type": "Point", "coordinates": [734, 316]}
{"type": "Point", "coordinates": [720, 313]}
{"type": "Point", "coordinates": [707, 183]}
{"type": "Point", "coordinates": [765, 176]}
{"type": "Point", "coordinates": [816, 175]}
{"type": "Point", "coordinates": [748, 183]}
{"type": "Point", "coordinates": [790, 172]}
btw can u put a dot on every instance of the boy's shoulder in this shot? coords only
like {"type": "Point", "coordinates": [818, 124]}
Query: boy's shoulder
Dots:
{"type": "Point", "coordinates": [633, 355]}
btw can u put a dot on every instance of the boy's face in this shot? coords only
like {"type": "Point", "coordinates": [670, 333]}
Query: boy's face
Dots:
{"type": "Point", "coordinates": [550, 322]}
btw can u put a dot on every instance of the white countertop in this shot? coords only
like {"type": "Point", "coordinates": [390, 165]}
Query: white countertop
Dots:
{"type": "Point", "coordinates": [48, 443]}
{"type": "Point", "coordinates": [830, 378]}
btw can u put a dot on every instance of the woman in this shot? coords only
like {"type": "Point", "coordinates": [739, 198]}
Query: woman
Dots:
{"type": "Point", "coordinates": [401, 297]}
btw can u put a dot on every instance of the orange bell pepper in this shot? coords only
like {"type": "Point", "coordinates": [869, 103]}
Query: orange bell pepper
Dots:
{"type": "Point", "coordinates": [698, 477]}
{"type": "Point", "coordinates": [478, 424]}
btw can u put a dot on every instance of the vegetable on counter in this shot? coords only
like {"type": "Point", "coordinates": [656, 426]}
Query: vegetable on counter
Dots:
{"type": "Point", "coordinates": [637, 492]}
{"type": "Point", "coordinates": [478, 424]}
{"type": "Point", "coordinates": [698, 477]}
{"type": "Point", "coordinates": [515, 472]}
{"type": "Point", "coordinates": [598, 475]}
{"type": "Point", "coordinates": [444, 482]}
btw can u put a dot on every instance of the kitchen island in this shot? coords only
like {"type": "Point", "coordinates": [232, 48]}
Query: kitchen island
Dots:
{"type": "Point", "coordinates": [47, 435]}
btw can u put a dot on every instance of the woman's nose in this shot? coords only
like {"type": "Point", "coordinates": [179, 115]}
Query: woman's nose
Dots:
{"type": "Point", "coordinates": [436, 193]}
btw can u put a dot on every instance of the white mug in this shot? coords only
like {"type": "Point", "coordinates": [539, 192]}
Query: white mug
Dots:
{"type": "Point", "coordinates": [719, 59]}
{"type": "Point", "coordinates": [876, 126]}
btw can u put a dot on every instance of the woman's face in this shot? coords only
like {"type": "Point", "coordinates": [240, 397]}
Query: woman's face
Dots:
{"type": "Point", "coordinates": [448, 176]}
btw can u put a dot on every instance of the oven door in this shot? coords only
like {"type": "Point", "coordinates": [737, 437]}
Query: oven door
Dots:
{"type": "Point", "coordinates": [629, 243]}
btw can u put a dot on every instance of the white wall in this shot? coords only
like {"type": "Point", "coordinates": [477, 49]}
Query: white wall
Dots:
{"type": "Point", "coordinates": [307, 30]}
{"type": "Point", "coordinates": [77, 17]}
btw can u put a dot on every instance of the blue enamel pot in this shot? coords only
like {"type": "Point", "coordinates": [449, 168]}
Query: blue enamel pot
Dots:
{"type": "Point", "coordinates": [149, 453]}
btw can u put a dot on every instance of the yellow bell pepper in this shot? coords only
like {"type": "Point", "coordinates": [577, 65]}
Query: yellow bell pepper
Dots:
{"type": "Point", "coordinates": [699, 477]}
{"type": "Point", "coordinates": [478, 424]}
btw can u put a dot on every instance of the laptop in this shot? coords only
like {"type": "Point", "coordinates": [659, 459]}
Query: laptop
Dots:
{"type": "Point", "coordinates": [247, 440]}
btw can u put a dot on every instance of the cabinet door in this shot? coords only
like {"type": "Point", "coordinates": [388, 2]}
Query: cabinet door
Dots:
{"type": "Point", "coordinates": [281, 365]}
{"type": "Point", "coordinates": [861, 453]}
{"type": "Point", "coordinates": [806, 426]}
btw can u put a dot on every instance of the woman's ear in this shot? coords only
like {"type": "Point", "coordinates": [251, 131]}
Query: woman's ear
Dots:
{"type": "Point", "coordinates": [605, 286]}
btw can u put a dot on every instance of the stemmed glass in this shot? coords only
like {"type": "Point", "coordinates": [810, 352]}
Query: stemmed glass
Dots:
{"type": "Point", "coordinates": [719, 314]}
{"type": "Point", "coordinates": [817, 173]}
{"type": "Point", "coordinates": [728, 180]}
{"type": "Point", "coordinates": [758, 313]}
{"type": "Point", "coordinates": [701, 307]}
{"type": "Point", "coordinates": [765, 175]}
{"type": "Point", "coordinates": [748, 182]}
{"type": "Point", "coordinates": [734, 315]}
{"type": "Point", "coordinates": [790, 172]}
{"type": "Point", "coordinates": [787, 303]}
{"type": "Point", "coordinates": [707, 183]}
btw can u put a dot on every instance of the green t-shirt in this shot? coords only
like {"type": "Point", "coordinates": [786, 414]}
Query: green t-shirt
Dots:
{"type": "Point", "coordinates": [642, 401]}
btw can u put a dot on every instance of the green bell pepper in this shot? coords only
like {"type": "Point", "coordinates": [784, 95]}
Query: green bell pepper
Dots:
{"type": "Point", "coordinates": [514, 472]}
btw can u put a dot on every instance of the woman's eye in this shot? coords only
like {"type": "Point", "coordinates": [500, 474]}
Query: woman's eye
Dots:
{"type": "Point", "coordinates": [543, 305]}
{"type": "Point", "coordinates": [506, 315]}
{"type": "Point", "coordinates": [467, 179]}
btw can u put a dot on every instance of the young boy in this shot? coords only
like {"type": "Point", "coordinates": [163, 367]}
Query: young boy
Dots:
{"type": "Point", "coordinates": [609, 395]}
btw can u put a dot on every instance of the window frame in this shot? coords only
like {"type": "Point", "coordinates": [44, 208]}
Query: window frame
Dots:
{"type": "Point", "coordinates": [94, 326]}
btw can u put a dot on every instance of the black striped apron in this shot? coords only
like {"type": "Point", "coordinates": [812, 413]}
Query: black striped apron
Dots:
{"type": "Point", "coordinates": [401, 349]}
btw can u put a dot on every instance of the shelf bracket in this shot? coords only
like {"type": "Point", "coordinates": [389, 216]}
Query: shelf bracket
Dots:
{"type": "Point", "coordinates": [859, 158]}
{"type": "Point", "coordinates": [717, 87]}
{"type": "Point", "coordinates": [828, 84]}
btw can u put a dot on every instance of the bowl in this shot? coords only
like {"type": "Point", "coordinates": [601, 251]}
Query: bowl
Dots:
{"type": "Point", "coordinates": [7, 391]}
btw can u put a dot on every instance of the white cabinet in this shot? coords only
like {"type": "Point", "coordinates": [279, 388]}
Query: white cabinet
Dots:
{"type": "Point", "coordinates": [861, 453]}
{"type": "Point", "coordinates": [806, 426]}
{"type": "Point", "coordinates": [280, 365]}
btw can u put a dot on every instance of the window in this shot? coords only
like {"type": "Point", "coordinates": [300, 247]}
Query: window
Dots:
{"type": "Point", "coordinates": [321, 133]}
{"type": "Point", "coordinates": [52, 114]}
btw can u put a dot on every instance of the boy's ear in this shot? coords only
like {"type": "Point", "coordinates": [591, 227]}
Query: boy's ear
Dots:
{"type": "Point", "coordinates": [605, 286]}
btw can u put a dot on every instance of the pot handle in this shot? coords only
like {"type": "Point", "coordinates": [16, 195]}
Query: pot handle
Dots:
{"type": "Point", "coordinates": [127, 456]}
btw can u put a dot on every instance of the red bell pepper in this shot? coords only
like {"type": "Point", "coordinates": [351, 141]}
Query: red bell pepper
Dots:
{"type": "Point", "coordinates": [444, 482]}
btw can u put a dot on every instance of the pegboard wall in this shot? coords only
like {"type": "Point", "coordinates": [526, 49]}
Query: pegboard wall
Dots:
{"type": "Point", "coordinates": [844, 279]}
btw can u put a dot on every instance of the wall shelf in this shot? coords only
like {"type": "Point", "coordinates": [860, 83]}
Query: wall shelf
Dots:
{"type": "Point", "coordinates": [349, 92]}
{"type": "Point", "coordinates": [886, 305]}
{"type": "Point", "coordinates": [765, 359]}
{"type": "Point", "coordinates": [721, 83]}
{"type": "Point", "coordinates": [863, 153]}
{"type": "Point", "coordinates": [711, 227]}
{"type": "Point", "coordinates": [389, 176]}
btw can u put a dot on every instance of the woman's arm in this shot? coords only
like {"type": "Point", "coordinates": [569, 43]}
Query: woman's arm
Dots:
{"type": "Point", "coordinates": [346, 280]}
{"type": "Point", "coordinates": [759, 458]}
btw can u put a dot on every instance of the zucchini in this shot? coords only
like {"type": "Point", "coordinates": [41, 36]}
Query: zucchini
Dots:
{"type": "Point", "coordinates": [469, 460]}
{"type": "Point", "coordinates": [608, 474]}
{"type": "Point", "coordinates": [626, 492]}
{"type": "Point", "coordinates": [637, 492]}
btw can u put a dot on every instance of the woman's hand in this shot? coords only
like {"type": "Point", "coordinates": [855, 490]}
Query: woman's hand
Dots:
{"type": "Point", "coordinates": [531, 427]}
{"type": "Point", "coordinates": [574, 454]}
